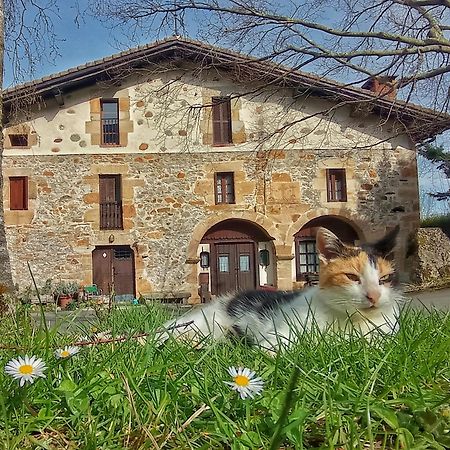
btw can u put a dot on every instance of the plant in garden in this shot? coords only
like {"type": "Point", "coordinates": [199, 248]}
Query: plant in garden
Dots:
{"type": "Point", "coordinates": [26, 369]}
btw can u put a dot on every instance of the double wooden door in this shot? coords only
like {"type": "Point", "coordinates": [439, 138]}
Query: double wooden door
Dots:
{"type": "Point", "coordinates": [233, 267]}
{"type": "Point", "coordinates": [113, 270]}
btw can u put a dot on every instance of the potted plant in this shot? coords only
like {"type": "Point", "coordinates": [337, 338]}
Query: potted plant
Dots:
{"type": "Point", "coordinates": [65, 292]}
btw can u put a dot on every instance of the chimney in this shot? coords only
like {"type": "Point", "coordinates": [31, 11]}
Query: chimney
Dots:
{"type": "Point", "coordinates": [384, 86]}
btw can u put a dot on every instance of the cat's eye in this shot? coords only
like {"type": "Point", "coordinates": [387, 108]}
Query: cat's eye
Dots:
{"type": "Point", "coordinates": [353, 277]}
{"type": "Point", "coordinates": [386, 279]}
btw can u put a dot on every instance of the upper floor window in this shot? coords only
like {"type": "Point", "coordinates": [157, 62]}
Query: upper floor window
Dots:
{"type": "Point", "coordinates": [336, 185]}
{"type": "Point", "coordinates": [224, 187]}
{"type": "Point", "coordinates": [18, 140]}
{"type": "Point", "coordinates": [18, 193]}
{"type": "Point", "coordinates": [221, 117]}
{"type": "Point", "coordinates": [110, 122]}
{"type": "Point", "coordinates": [110, 194]}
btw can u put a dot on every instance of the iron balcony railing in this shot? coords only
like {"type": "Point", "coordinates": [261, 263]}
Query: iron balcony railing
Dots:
{"type": "Point", "coordinates": [111, 216]}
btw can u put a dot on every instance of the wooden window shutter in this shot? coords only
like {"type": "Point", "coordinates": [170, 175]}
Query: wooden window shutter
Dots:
{"type": "Point", "coordinates": [110, 196]}
{"type": "Point", "coordinates": [18, 193]}
{"type": "Point", "coordinates": [221, 117]}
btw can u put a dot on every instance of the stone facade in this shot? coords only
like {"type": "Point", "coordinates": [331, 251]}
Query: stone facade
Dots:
{"type": "Point", "coordinates": [433, 256]}
{"type": "Point", "coordinates": [167, 163]}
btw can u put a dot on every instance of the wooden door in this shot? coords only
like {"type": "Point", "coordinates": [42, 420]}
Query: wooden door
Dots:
{"type": "Point", "coordinates": [113, 267]}
{"type": "Point", "coordinates": [233, 267]}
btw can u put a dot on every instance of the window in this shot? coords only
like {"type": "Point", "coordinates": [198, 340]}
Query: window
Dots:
{"type": "Point", "coordinates": [110, 191]}
{"type": "Point", "coordinates": [18, 140]}
{"type": "Point", "coordinates": [110, 122]}
{"type": "Point", "coordinates": [18, 193]}
{"type": "Point", "coordinates": [224, 187]}
{"type": "Point", "coordinates": [221, 117]}
{"type": "Point", "coordinates": [336, 185]}
{"type": "Point", "coordinates": [306, 257]}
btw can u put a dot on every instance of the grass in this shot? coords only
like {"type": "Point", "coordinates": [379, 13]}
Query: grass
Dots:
{"type": "Point", "coordinates": [438, 221]}
{"type": "Point", "coordinates": [346, 393]}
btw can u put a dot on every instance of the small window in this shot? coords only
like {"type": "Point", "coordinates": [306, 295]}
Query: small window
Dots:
{"type": "Point", "coordinates": [18, 140]}
{"type": "Point", "coordinates": [336, 185]}
{"type": "Point", "coordinates": [224, 264]}
{"type": "Point", "coordinates": [110, 122]}
{"type": "Point", "coordinates": [306, 258]}
{"type": "Point", "coordinates": [224, 187]}
{"type": "Point", "coordinates": [221, 117]}
{"type": "Point", "coordinates": [18, 193]}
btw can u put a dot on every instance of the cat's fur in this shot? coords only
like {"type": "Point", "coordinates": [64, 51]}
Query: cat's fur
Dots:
{"type": "Point", "coordinates": [354, 291]}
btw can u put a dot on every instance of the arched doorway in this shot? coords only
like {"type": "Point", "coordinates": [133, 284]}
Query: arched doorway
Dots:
{"type": "Point", "coordinates": [306, 258]}
{"type": "Point", "coordinates": [241, 257]}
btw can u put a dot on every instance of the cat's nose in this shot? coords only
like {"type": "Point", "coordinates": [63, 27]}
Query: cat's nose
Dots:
{"type": "Point", "coordinates": [373, 297]}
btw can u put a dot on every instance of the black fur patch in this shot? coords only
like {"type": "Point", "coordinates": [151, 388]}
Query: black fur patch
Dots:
{"type": "Point", "coordinates": [260, 302]}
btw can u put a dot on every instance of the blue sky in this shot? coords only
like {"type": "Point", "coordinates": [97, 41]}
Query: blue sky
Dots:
{"type": "Point", "coordinates": [89, 40]}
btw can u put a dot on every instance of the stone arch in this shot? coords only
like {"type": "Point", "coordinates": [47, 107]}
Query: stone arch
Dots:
{"type": "Point", "coordinates": [306, 258]}
{"type": "Point", "coordinates": [349, 220]}
{"type": "Point", "coordinates": [239, 230]}
{"type": "Point", "coordinates": [256, 219]}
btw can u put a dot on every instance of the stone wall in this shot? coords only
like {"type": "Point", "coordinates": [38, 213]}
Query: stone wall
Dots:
{"type": "Point", "coordinates": [433, 256]}
{"type": "Point", "coordinates": [169, 204]}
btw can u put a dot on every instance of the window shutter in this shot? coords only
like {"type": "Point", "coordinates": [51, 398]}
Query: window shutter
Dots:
{"type": "Point", "coordinates": [110, 196]}
{"type": "Point", "coordinates": [221, 117]}
{"type": "Point", "coordinates": [18, 193]}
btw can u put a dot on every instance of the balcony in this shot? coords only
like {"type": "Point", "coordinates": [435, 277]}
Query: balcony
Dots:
{"type": "Point", "coordinates": [111, 216]}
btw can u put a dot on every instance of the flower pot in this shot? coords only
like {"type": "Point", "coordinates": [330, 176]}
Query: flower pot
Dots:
{"type": "Point", "coordinates": [64, 301]}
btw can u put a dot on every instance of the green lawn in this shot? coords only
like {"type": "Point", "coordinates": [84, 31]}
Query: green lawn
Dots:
{"type": "Point", "coordinates": [393, 393]}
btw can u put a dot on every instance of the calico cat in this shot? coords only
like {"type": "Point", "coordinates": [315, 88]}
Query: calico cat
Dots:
{"type": "Point", "coordinates": [354, 291]}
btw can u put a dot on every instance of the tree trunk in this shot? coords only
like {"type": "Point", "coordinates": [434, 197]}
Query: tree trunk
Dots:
{"type": "Point", "coordinates": [5, 266]}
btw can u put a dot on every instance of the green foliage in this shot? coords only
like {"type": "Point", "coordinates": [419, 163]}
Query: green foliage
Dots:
{"type": "Point", "coordinates": [346, 392]}
{"type": "Point", "coordinates": [442, 221]}
{"type": "Point", "coordinates": [438, 155]}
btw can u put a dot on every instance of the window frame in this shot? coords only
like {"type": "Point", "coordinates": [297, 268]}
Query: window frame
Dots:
{"type": "Point", "coordinates": [222, 133]}
{"type": "Point", "coordinates": [332, 177]}
{"type": "Point", "coordinates": [301, 276]}
{"type": "Point", "coordinates": [24, 206]}
{"type": "Point", "coordinates": [222, 178]}
{"type": "Point", "coordinates": [116, 134]}
{"type": "Point", "coordinates": [13, 136]}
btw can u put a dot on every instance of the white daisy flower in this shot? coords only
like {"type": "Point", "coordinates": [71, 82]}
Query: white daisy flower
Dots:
{"type": "Point", "coordinates": [66, 352]}
{"type": "Point", "coordinates": [26, 369]}
{"type": "Point", "coordinates": [245, 382]}
{"type": "Point", "coordinates": [102, 336]}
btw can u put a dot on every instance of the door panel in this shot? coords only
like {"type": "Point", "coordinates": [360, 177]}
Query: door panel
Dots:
{"type": "Point", "coordinates": [123, 271]}
{"type": "Point", "coordinates": [114, 266]}
{"type": "Point", "coordinates": [102, 268]}
{"type": "Point", "coordinates": [233, 267]}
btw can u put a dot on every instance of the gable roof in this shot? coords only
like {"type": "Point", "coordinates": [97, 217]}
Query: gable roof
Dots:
{"type": "Point", "coordinates": [421, 123]}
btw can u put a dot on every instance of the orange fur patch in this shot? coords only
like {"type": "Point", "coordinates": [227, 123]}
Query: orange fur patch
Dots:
{"type": "Point", "coordinates": [334, 272]}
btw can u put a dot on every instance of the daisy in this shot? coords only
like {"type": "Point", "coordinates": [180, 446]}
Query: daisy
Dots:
{"type": "Point", "coordinates": [245, 382]}
{"type": "Point", "coordinates": [66, 352]}
{"type": "Point", "coordinates": [26, 369]}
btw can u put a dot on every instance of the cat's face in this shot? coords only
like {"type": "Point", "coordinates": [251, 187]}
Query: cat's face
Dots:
{"type": "Point", "coordinates": [359, 278]}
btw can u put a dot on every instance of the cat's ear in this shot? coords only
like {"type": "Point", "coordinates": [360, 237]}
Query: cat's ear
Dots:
{"type": "Point", "coordinates": [328, 245]}
{"type": "Point", "coordinates": [385, 247]}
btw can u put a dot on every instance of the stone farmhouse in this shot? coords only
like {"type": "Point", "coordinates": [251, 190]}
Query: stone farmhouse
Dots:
{"type": "Point", "coordinates": [182, 170]}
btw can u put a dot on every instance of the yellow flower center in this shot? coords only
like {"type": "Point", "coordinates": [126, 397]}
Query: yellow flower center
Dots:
{"type": "Point", "coordinates": [241, 380]}
{"type": "Point", "coordinates": [65, 354]}
{"type": "Point", "coordinates": [26, 369]}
